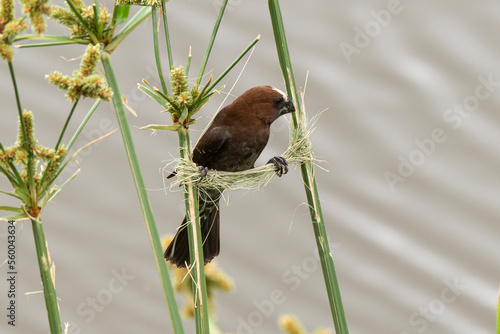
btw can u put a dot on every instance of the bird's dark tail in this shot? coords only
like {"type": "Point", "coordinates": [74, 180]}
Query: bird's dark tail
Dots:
{"type": "Point", "coordinates": [178, 250]}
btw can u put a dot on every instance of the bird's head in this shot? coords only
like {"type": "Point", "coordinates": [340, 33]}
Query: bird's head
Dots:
{"type": "Point", "coordinates": [265, 103]}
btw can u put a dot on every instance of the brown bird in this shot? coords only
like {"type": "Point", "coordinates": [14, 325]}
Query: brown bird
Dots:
{"type": "Point", "coordinates": [232, 142]}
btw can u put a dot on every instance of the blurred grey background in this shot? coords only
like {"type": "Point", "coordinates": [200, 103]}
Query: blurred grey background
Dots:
{"type": "Point", "coordinates": [410, 140]}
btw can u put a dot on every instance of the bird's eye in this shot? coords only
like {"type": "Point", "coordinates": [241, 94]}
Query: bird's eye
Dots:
{"type": "Point", "coordinates": [278, 101]}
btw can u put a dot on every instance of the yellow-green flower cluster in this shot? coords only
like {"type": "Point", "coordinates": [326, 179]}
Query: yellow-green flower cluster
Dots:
{"type": "Point", "coordinates": [83, 83]}
{"type": "Point", "coordinates": [68, 18]}
{"type": "Point", "coordinates": [179, 82]}
{"type": "Point", "coordinates": [181, 106]}
{"type": "Point", "coordinates": [9, 28]}
{"type": "Point", "coordinates": [289, 324]}
{"type": "Point", "coordinates": [182, 96]}
{"type": "Point", "coordinates": [35, 10]}
{"type": "Point", "coordinates": [18, 155]}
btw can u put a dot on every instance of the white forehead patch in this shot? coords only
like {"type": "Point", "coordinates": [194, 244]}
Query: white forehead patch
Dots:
{"type": "Point", "coordinates": [283, 94]}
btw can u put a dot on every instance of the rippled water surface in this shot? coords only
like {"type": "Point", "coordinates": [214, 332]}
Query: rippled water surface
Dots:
{"type": "Point", "coordinates": [410, 138]}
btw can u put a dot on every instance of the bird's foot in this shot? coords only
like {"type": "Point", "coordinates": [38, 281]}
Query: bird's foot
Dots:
{"type": "Point", "coordinates": [281, 165]}
{"type": "Point", "coordinates": [203, 172]}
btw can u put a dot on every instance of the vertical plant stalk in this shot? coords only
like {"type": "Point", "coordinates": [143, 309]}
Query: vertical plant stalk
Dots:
{"type": "Point", "coordinates": [169, 48]}
{"type": "Point", "coordinates": [82, 124]}
{"type": "Point", "coordinates": [49, 290]}
{"type": "Point", "coordinates": [66, 123]}
{"type": "Point", "coordinates": [23, 127]}
{"type": "Point", "coordinates": [59, 140]}
{"type": "Point", "coordinates": [211, 41]}
{"type": "Point", "coordinates": [498, 312]}
{"type": "Point", "coordinates": [143, 196]}
{"type": "Point", "coordinates": [131, 24]}
{"type": "Point", "coordinates": [195, 242]}
{"type": "Point", "coordinates": [157, 50]}
{"type": "Point", "coordinates": [69, 146]}
{"type": "Point", "coordinates": [307, 171]}
{"type": "Point", "coordinates": [197, 270]}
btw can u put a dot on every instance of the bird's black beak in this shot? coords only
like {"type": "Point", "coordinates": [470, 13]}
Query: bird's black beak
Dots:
{"type": "Point", "coordinates": [288, 107]}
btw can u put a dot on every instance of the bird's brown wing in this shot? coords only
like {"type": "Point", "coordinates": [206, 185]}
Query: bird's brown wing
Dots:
{"type": "Point", "coordinates": [208, 148]}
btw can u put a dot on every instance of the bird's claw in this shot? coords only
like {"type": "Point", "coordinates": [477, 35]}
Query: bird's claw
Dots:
{"type": "Point", "coordinates": [203, 172]}
{"type": "Point", "coordinates": [281, 165]}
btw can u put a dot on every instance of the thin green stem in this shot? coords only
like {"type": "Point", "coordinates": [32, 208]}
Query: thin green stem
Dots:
{"type": "Point", "coordinates": [209, 87]}
{"type": "Point", "coordinates": [38, 45]}
{"type": "Point", "coordinates": [66, 123]}
{"type": "Point", "coordinates": [131, 24]}
{"type": "Point", "coordinates": [498, 313]}
{"type": "Point", "coordinates": [50, 40]}
{"type": "Point", "coordinates": [120, 14]}
{"type": "Point", "coordinates": [77, 13]}
{"type": "Point", "coordinates": [49, 290]}
{"type": "Point", "coordinates": [83, 123]}
{"type": "Point", "coordinates": [53, 38]}
{"type": "Point", "coordinates": [307, 171]}
{"type": "Point", "coordinates": [14, 178]}
{"type": "Point", "coordinates": [12, 195]}
{"type": "Point", "coordinates": [19, 107]}
{"type": "Point", "coordinates": [10, 208]}
{"type": "Point", "coordinates": [211, 41]}
{"type": "Point", "coordinates": [25, 134]}
{"type": "Point", "coordinates": [195, 242]}
{"type": "Point", "coordinates": [236, 61]}
{"type": "Point", "coordinates": [11, 178]}
{"type": "Point", "coordinates": [157, 50]}
{"type": "Point", "coordinates": [95, 7]}
{"type": "Point", "coordinates": [142, 194]}
{"type": "Point", "coordinates": [46, 185]}
{"type": "Point", "coordinates": [284, 56]}
{"type": "Point", "coordinates": [188, 62]}
{"type": "Point", "coordinates": [167, 35]}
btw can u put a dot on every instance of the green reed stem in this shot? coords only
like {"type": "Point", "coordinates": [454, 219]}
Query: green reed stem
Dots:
{"type": "Point", "coordinates": [49, 290]}
{"type": "Point", "coordinates": [66, 123]}
{"type": "Point", "coordinates": [195, 242]}
{"type": "Point", "coordinates": [211, 41]}
{"type": "Point", "coordinates": [307, 171]}
{"type": "Point", "coordinates": [23, 126]}
{"type": "Point", "coordinates": [82, 125]}
{"type": "Point", "coordinates": [143, 196]}
{"type": "Point", "coordinates": [157, 50]}
{"type": "Point", "coordinates": [498, 313]}
{"type": "Point", "coordinates": [167, 34]}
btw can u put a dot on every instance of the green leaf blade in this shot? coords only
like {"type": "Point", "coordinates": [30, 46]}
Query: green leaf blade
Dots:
{"type": "Point", "coordinates": [143, 195]}
{"type": "Point", "coordinates": [156, 97]}
{"type": "Point", "coordinates": [11, 208]}
{"type": "Point", "coordinates": [171, 127]}
{"type": "Point", "coordinates": [120, 15]}
{"type": "Point", "coordinates": [307, 171]}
